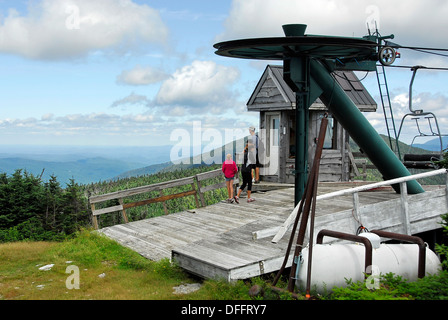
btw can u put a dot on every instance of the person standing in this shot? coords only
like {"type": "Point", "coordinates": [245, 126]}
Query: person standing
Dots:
{"type": "Point", "coordinates": [246, 172]}
{"type": "Point", "coordinates": [229, 169]}
{"type": "Point", "coordinates": [255, 142]}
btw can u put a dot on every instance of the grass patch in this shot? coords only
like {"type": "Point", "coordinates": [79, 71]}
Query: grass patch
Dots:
{"type": "Point", "coordinates": [107, 271]}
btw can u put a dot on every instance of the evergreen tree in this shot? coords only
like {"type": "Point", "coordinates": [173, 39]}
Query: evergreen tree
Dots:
{"type": "Point", "coordinates": [75, 206]}
{"type": "Point", "coordinates": [30, 209]}
{"type": "Point", "coordinates": [6, 219]}
{"type": "Point", "coordinates": [53, 196]}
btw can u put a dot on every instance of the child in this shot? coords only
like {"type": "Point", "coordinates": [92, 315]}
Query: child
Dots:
{"type": "Point", "coordinates": [230, 169]}
{"type": "Point", "coordinates": [246, 169]}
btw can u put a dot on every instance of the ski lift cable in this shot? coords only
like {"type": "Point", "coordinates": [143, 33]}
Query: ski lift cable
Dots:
{"type": "Point", "coordinates": [428, 52]}
{"type": "Point", "coordinates": [399, 46]}
{"type": "Point", "coordinates": [421, 67]}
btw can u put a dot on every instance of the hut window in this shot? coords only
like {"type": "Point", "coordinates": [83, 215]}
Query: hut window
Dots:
{"type": "Point", "coordinates": [292, 136]}
{"type": "Point", "coordinates": [330, 134]}
{"type": "Point", "coordinates": [275, 126]}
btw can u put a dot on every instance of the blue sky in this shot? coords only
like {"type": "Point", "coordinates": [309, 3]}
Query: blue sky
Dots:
{"type": "Point", "coordinates": [122, 72]}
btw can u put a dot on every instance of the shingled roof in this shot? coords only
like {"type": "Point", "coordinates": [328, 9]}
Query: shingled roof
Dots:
{"type": "Point", "coordinates": [273, 93]}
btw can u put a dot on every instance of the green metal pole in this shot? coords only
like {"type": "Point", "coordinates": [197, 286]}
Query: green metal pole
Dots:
{"type": "Point", "coordinates": [359, 128]}
{"type": "Point", "coordinates": [296, 72]}
{"type": "Point", "coordinates": [298, 76]}
{"type": "Point", "coordinates": [301, 160]}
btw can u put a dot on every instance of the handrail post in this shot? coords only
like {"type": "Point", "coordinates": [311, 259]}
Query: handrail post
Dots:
{"type": "Point", "coordinates": [193, 188]}
{"type": "Point", "coordinates": [94, 218]}
{"type": "Point", "coordinates": [446, 187]}
{"type": "Point", "coordinates": [356, 206]}
{"type": "Point", "coordinates": [165, 209]}
{"type": "Point", "coordinates": [405, 208]}
{"type": "Point", "coordinates": [201, 195]}
{"type": "Point", "coordinates": [123, 212]}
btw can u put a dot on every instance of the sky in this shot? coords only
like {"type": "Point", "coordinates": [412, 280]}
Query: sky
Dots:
{"type": "Point", "coordinates": [142, 73]}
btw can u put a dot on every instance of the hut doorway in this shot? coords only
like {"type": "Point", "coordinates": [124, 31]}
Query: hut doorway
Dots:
{"type": "Point", "coordinates": [272, 143]}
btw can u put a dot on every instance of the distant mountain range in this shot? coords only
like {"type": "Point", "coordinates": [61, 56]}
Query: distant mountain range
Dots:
{"type": "Point", "coordinates": [433, 145]}
{"type": "Point", "coordinates": [93, 164]}
{"type": "Point", "coordinates": [83, 171]}
{"type": "Point", "coordinates": [83, 164]}
{"type": "Point", "coordinates": [217, 156]}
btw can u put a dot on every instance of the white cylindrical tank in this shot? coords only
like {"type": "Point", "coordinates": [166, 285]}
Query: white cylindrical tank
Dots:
{"type": "Point", "coordinates": [332, 264]}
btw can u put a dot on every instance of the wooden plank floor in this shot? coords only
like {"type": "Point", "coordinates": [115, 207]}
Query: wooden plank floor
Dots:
{"type": "Point", "coordinates": [155, 238]}
{"type": "Point", "coordinates": [217, 241]}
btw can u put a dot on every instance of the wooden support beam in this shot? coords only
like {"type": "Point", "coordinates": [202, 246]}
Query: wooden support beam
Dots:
{"type": "Point", "coordinates": [405, 208]}
{"type": "Point", "coordinates": [164, 202]}
{"type": "Point", "coordinates": [123, 212]}
{"type": "Point", "coordinates": [94, 218]}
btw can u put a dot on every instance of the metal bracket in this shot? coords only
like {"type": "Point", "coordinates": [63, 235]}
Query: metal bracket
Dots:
{"type": "Point", "coordinates": [298, 260]}
{"type": "Point", "coordinates": [261, 265]}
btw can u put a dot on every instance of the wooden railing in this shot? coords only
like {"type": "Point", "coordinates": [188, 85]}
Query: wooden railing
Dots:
{"type": "Point", "coordinates": [193, 181]}
{"type": "Point", "coordinates": [281, 230]}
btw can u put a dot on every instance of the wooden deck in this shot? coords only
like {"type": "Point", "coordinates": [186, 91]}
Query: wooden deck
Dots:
{"type": "Point", "coordinates": [234, 241]}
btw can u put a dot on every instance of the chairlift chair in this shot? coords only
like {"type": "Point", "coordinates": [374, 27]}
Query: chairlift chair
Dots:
{"type": "Point", "coordinates": [421, 161]}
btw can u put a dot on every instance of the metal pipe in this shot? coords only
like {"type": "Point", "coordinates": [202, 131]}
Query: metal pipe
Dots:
{"type": "Point", "coordinates": [311, 194]}
{"type": "Point", "coordinates": [320, 145]}
{"type": "Point", "coordinates": [359, 128]}
{"type": "Point", "coordinates": [412, 239]}
{"type": "Point", "coordinates": [414, 71]}
{"type": "Point", "coordinates": [299, 207]}
{"type": "Point", "coordinates": [349, 237]}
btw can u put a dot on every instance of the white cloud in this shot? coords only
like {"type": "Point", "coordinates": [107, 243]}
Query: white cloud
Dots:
{"type": "Point", "coordinates": [414, 22]}
{"type": "Point", "coordinates": [426, 101]}
{"type": "Point", "coordinates": [140, 75]}
{"type": "Point", "coordinates": [200, 84]}
{"type": "Point", "coordinates": [103, 128]}
{"type": "Point", "coordinates": [132, 99]}
{"type": "Point", "coordinates": [59, 29]}
{"type": "Point", "coordinates": [47, 117]}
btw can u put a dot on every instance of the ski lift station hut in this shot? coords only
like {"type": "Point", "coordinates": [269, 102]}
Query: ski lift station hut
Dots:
{"type": "Point", "coordinates": [275, 101]}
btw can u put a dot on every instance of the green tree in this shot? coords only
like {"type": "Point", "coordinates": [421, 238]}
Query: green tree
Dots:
{"type": "Point", "coordinates": [33, 210]}
{"type": "Point", "coordinates": [21, 206]}
{"type": "Point", "coordinates": [53, 196]}
{"type": "Point", "coordinates": [75, 208]}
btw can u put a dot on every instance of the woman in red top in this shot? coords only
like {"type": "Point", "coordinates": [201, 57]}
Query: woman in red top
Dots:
{"type": "Point", "coordinates": [230, 169]}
